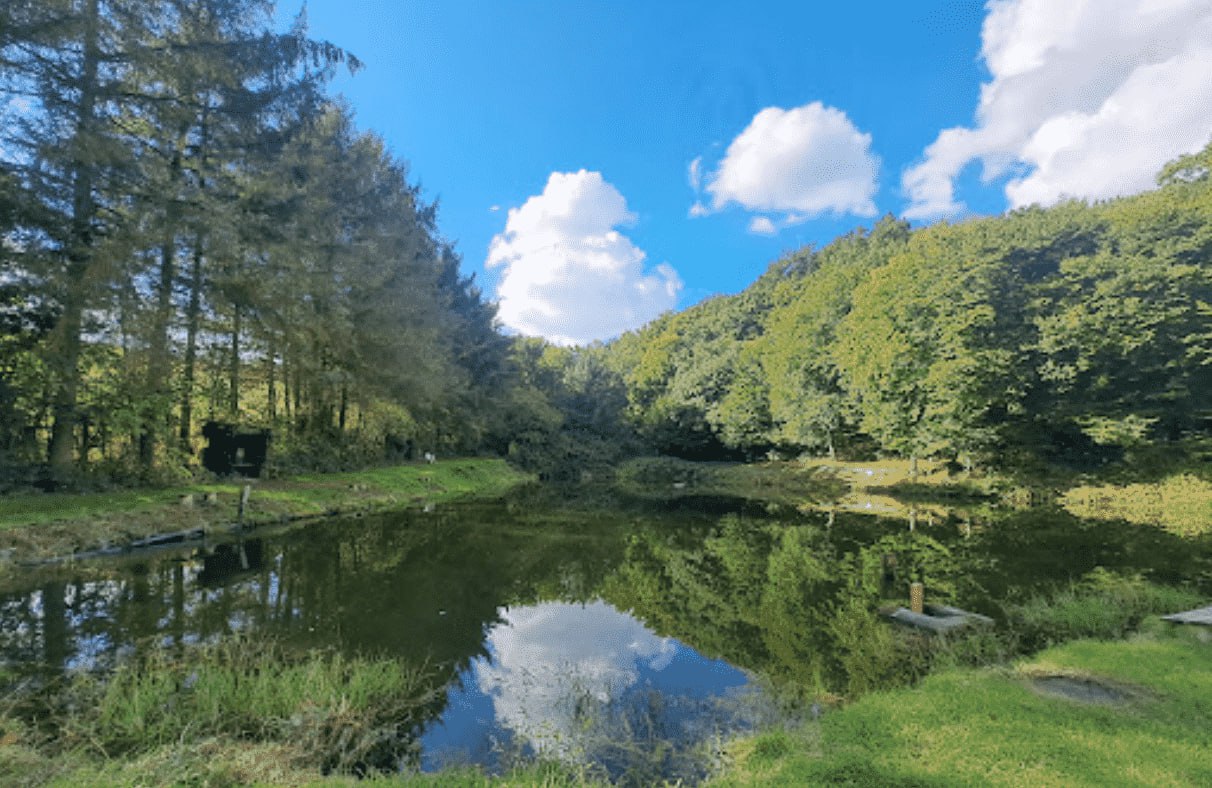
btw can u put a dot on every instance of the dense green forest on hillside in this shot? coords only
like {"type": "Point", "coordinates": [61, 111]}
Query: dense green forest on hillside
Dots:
{"type": "Point", "coordinates": [193, 229]}
{"type": "Point", "coordinates": [1069, 335]}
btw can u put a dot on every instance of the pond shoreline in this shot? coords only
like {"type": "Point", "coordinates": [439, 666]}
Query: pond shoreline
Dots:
{"type": "Point", "coordinates": [37, 527]}
{"type": "Point", "coordinates": [1000, 725]}
{"type": "Point", "coordinates": [387, 588]}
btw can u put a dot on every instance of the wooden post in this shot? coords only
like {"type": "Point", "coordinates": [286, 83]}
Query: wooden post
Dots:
{"type": "Point", "coordinates": [243, 503]}
{"type": "Point", "coordinates": [917, 597]}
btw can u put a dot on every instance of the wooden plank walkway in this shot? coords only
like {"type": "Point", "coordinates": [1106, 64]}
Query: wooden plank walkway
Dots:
{"type": "Point", "coordinates": [1201, 616]}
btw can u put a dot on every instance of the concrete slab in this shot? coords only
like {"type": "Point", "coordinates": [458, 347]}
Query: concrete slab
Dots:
{"type": "Point", "coordinates": [1201, 616]}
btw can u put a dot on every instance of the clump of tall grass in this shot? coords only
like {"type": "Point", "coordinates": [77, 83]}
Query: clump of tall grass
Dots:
{"type": "Point", "coordinates": [1105, 605]}
{"type": "Point", "coordinates": [1101, 605]}
{"type": "Point", "coordinates": [338, 713]}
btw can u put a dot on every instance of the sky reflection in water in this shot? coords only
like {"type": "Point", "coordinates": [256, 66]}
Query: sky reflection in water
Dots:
{"type": "Point", "coordinates": [570, 681]}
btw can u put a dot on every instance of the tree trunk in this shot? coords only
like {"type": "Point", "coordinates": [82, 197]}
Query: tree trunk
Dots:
{"type": "Point", "coordinates": [157, 362]}
{"type": "Point", "coordinates": [233, 369]}
{"type": "Point", "coordinates": [79, 258]}
{"type": "Point", "coordinates": [60, 452]}
{"type": "Point", "coordinates": [271, 395]}
{"type": "Point", "coordinates": [192, 319]}
{"type": "Point", "coordinates": [158, 367]}
{"type": "Point", "coordinates": [298, 398]}
{"type": "Point", "coordinates": [286, 386]}
{"type": "Point", "coordinates": [194, 311]}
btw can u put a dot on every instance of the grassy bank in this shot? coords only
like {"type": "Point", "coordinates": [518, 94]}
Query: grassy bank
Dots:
{"type": "Point", "coordinates": [814, 482]}
{"type": "Point", "coordinates": [1084, 713]}
{"type": "Point", "coordinates": [664, 478]}
{"type": "Point", "coordinates": [235, 712]}
{"type": "Point", "coordinates": [1143, 716]}
{"type": "Point", "coordinates": [36, 525]}
{"type": "Point", "coordinates": [1180, 502]}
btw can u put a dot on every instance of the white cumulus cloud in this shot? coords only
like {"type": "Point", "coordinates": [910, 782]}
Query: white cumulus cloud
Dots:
{"type": "Point", "coordinates": [1088, 99]}
{"type": "Point", "coordinates": [568, 274]}
{"type": "Point", "coordinates": [761, 225]}
{"type": "Point", "coordinates": [805, 161]}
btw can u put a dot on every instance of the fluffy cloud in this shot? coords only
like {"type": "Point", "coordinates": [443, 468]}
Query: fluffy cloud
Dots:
{"type": "Point", "coordinates": [760, 225]}
{"type": "Point", "coordinates": [1087, 99]}
{"type": "Point", "coordinates": [568, 274]}
{"type": "Point", "coordinates": [804, 161]}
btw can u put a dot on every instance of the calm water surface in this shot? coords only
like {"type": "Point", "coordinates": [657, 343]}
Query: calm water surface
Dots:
{"type": "Point", "coordinates": [630, 638]}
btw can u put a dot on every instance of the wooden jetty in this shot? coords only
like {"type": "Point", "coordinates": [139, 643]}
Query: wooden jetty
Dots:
{"type": "Point", "coordinates": [1201, 615]}
{"type": "Point", "coordinates": [938, 618]}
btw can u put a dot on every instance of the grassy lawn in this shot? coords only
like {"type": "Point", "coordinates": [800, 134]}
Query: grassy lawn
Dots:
{"type": "Point", "coordinates": [996, 726]}
{"type": "Point", "coordinates": [37, 525]}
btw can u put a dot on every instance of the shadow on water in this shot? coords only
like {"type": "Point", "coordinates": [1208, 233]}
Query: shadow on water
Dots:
{"type": "Point", "coordinates": [626, 637]}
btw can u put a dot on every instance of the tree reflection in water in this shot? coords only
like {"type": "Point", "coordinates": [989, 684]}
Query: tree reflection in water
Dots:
{"type": "Point", "coordinates": [479, 593]}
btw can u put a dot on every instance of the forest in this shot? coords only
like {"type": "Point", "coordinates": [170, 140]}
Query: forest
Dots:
{"type": "Point", "coordinates": [1069, 336]}
{"type": "Point", "coordinates": [194, 229]}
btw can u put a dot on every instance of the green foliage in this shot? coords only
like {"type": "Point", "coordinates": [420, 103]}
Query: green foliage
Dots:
{"type": "Point", "coordinates": [807, 400]}
{"type": "Point", "coordinates": [202, 230]}
{"type": "Point", "coordinates": [564, 412]}
{"type": "Point", "coordinates": [1065, 336]}
{"type": "Point", "coordinates": [1102, 604]}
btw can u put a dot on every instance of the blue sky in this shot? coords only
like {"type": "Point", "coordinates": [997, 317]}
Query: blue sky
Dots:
{"type": "Point", "coordinates": [566, 131]}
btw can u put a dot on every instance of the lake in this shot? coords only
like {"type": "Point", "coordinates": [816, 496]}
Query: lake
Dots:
{"type": "Point", "coordinates": [629, 638]}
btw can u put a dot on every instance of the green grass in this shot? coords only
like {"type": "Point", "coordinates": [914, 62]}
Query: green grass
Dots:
{"type": "Point", "coordinates": [228, 763]}
{"type": "Point", "coordinates": [1102, 605]}
{"type": "Point", "coordinates": [316, 712]}
{"type": "Point", "coordinates": [991, 727]}
{"type": "Point", "coordinates": [39, 525]}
